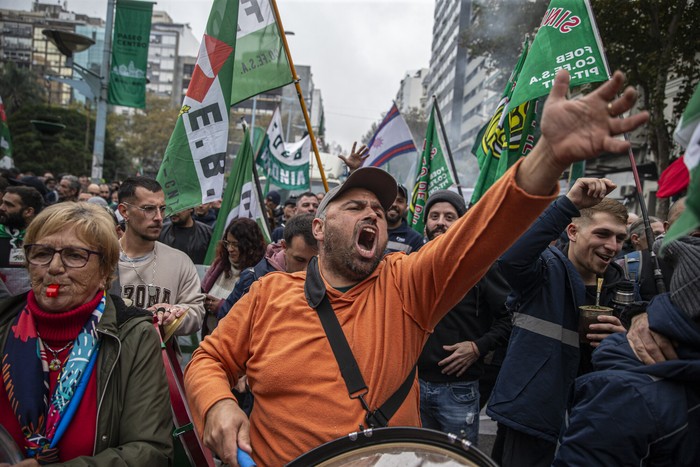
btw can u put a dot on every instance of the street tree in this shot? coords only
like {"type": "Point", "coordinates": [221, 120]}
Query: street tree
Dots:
{"type": "Point", "coordinates": [654, 42]}
{"type": "Point", "coordinates": [143, 135]}
{"type": "Point", "coordinates": [498, 32]}
{"type": "Point", "coordinates": [418, 124]}
{"type": "Point", "coordinates": [40, 144]}
{"type": "Point", "coordinates": [19, 87]}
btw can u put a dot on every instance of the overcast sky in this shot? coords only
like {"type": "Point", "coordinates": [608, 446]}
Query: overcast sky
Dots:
{"type": "Point", "coordinates": [358, 50]}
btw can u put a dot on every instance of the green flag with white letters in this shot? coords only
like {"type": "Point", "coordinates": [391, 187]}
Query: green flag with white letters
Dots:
{"type": "Point", "coordinates": [566, 39]}
{"type": "Point", "coordinates": [240, 198]}
{"type": "Point", "coordinates": [132, 33]}
{"type": "Point", "coordinates": [433, 174]}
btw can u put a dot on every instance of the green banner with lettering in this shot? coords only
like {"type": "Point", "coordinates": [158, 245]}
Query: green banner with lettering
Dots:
{"type": "Point", "coordinates": [132, 32]}
{"type": "Point", "coordinates": [566, 39]}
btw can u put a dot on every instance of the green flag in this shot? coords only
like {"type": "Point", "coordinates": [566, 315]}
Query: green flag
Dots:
{"type": "Point", "coordinates": [576, 171]}
{"type": "Point", "coordinates": [687, 134]}
{"type": "Point", "coordinates": [132, 33]}
{"type": "Point", "coordinates": [286, 164]}
{"type": "Point", "coordinates": [433, 174]}
{"type": "Point", "coordinates": [260, 63]}
{"type": "Point", "coordinates": [5, 140]}
{"type": "Point", "coordinates": [567, 39]}
{"type": "Point", "coordinates": [509, 135]}
{"type": "Point", "coordinates": [240, 199]}
{"type": "Point", "coordinates": [192, 171]}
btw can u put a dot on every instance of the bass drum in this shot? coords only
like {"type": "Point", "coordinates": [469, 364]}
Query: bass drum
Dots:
{"type": "Point", "coordinates": [400, 447]}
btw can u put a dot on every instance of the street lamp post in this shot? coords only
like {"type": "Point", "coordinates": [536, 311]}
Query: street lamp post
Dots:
{"type": "Point", "coordinates": [92, 86]}
{"type": "Point", "coordinates": [98, 151]}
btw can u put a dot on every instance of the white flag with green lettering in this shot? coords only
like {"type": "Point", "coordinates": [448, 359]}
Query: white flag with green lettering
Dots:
{"type": "Point", "coordinates": [192, 171]}
{"type": "Point", "coordinates": [260, 62]}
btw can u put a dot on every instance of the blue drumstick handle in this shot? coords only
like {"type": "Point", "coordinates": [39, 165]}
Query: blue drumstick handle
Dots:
{"type": "Point", "coordinates": [244, 459]}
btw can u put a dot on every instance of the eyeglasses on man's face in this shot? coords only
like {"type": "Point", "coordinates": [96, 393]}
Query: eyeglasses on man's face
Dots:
{"type": "Point", "coordinates": [148, 210]}
{"type": "Point", "coordinates": [72, 257]}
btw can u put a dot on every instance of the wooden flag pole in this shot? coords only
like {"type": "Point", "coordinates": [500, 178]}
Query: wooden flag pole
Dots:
{"type": "Point", "coordinates": [447, 145]}
{"type": "Point", "coordinates": [307, 119]}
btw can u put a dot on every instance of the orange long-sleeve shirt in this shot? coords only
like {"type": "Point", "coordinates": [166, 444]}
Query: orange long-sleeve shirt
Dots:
{"type": "Point", "coordinates": [274, 337]}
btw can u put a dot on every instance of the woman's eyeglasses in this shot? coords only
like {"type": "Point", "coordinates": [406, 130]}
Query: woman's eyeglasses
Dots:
{"type": "Point", "coordinates": [228, 244]}
{"type": "Point", "coordinates": [72, 257]}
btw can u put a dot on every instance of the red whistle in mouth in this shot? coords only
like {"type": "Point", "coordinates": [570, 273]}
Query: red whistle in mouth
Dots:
{"type": "Point", "coordinates": [52, 290]}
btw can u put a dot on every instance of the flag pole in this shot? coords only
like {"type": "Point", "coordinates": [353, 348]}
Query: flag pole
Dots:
{"type": "Point", "coordinates": [263, 208]}
{"type": "Point", "coordinates": [307, 119]}
{"type": "Point", "coordinates": [658, 276]}
{"type": "Point", "coordinates": [447, 145]}
{"type": "Point", "coordinates": [649, 234]}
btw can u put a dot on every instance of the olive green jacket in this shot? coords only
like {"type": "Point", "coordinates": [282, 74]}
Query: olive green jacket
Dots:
{"type": "Point", "coordinates": [134, 420]}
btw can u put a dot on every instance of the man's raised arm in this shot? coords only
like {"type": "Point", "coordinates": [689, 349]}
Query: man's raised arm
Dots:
{"type": "Point", "coordinates": [576, 130]}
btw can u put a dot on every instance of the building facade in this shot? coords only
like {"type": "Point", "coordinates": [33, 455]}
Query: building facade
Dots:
{"type": "Point", "coordinates": [412, 91]}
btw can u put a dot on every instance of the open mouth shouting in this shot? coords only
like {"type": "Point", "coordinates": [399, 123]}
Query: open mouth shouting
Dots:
{"type": "Point", "coordinates": [366, 243]}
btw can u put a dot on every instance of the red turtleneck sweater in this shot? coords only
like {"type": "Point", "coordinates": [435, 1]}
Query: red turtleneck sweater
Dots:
{"type": "Point", "coordinates": [57, 330]}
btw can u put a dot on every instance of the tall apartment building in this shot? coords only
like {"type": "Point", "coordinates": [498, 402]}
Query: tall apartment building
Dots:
{"type": "Point", "coordinates": [293, 125]}
{"type": "Point", "coordinates": [462, 84]}
{"type": "Point", "coordinates": [448, 62]}
{"type": "Point", "coordinates": [447, 73]}
{"type": "Point", "coordinates": [22, 42]}
{"type": "Point", "coordinates": [480, 100]}
{"type": "Point", "coordinates": [412, 92]}
{"type": "Point", "coordinates": [172, 53]}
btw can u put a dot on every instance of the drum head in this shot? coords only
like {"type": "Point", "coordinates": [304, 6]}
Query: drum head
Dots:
{"type": "Point", "coordinates": [9, 452]}
{"type": "Point", "coordinates": [401, 447]}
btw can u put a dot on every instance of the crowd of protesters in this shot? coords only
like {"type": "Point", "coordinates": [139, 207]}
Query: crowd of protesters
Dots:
{"type": "Point", "coordinates": [487, 306]}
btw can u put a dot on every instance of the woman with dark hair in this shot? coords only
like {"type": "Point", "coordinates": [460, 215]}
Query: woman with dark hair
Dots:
{"type": "Point", "coordinates": [243, 246]}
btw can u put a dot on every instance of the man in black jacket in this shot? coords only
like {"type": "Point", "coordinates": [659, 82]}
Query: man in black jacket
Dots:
{"type": "Point", "coordinates": [450, 365]}
{"type": "Point", "coordinates": [187, 235]}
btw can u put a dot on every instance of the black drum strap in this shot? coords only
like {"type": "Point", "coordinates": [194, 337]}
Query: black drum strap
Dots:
{"type": "Point", "coordinates": [317, 298]}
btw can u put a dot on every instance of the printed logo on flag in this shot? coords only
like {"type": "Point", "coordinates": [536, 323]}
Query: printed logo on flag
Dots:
{"type": "Point", "coordinates": [495, 137]}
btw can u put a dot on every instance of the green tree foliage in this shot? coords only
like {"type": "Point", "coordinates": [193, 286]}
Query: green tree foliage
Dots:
{"type": "Point", "coordinates": [372, 130]}
{"type": "Point", "coordinates": [498, 32]}
{"type": "Point", "coordinates": [66, 151]}
{"type": "Point", "coordinates": [143, 136]}
{"type": "Point", "coordinates": [19, 87]}
{"type": "Point", "coordinates": [418, 124]}
{"type": "Point", "coordinates": [654, 41]}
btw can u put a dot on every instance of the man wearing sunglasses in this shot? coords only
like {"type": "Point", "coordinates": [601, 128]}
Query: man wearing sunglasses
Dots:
{"type": "Point", "coordinates": [151, 274]}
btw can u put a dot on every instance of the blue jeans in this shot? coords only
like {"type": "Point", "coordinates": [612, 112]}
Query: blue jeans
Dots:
{"type": "Point", "coordinates": [451, 407]}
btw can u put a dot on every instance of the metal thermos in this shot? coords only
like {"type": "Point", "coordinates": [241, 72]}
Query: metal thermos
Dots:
{"type": "Point", "coordinates": [624, 295]}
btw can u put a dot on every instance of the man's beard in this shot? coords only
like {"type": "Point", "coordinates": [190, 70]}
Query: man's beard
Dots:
{"type": "Point", "coordinates": [345, 260]}
{"type": "Point", "coordinates": [12, 221]}
{"type": "Point", "coordinates": [393, 217]}
{"type": "Point", "coordinates": [431, 234]}
{"type": "Point", "coordinates": [146, 236]}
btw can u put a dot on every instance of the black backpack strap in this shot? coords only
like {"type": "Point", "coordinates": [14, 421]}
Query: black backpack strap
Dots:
{"type": "Point", "coordinates": [316, 296]}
